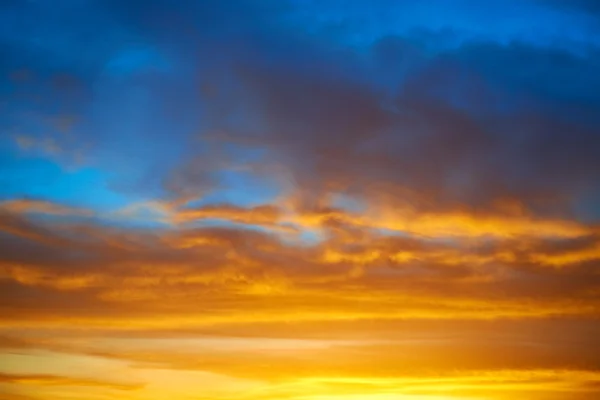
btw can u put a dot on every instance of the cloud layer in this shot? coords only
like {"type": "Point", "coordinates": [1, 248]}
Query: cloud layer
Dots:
{"type": "Point", "coordinates": [299, 200]}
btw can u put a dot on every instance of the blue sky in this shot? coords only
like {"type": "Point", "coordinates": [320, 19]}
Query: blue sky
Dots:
{"type": "Point", "coordinates": [143, 85]}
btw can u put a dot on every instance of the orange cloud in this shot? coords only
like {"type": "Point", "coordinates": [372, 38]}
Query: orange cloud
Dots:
{"type": "Point", "coordinates": [30, 206]}
{"type": "Point", "coordinates": [363, 278]}
{"type": "Point", "coordinates": [55, 380]}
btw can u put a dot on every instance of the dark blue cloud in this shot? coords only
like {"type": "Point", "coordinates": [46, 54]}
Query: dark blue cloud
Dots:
{"type": "Point", "coordinates": [467, 101]}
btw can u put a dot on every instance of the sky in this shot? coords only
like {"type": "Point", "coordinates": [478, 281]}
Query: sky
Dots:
{"type": "Point", "coordinates": [299, 200]}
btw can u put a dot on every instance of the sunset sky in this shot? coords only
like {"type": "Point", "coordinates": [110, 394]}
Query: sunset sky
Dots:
{"type": "Point", "coordinates": [299, 200]}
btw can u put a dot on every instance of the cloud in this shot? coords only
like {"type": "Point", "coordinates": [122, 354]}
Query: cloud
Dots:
{"type": "Point", "coordinates": [358, 272]}
{"type": "Point", "coordinates": [415, 132]}
{"type": "Point", "coordinates": [439, 141]}
{"type": "Point", "coordinates": [32, 206]}
{"type": "Point", "coordinates": [408, 192]}
{"type": "Point", "coordinates": [51, 380]}
{"type": "Point", "coordinates": [411, 359]}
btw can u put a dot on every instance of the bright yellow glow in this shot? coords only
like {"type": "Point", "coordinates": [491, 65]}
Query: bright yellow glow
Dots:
{"type": "Point", "coordinates": [458, 307]}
